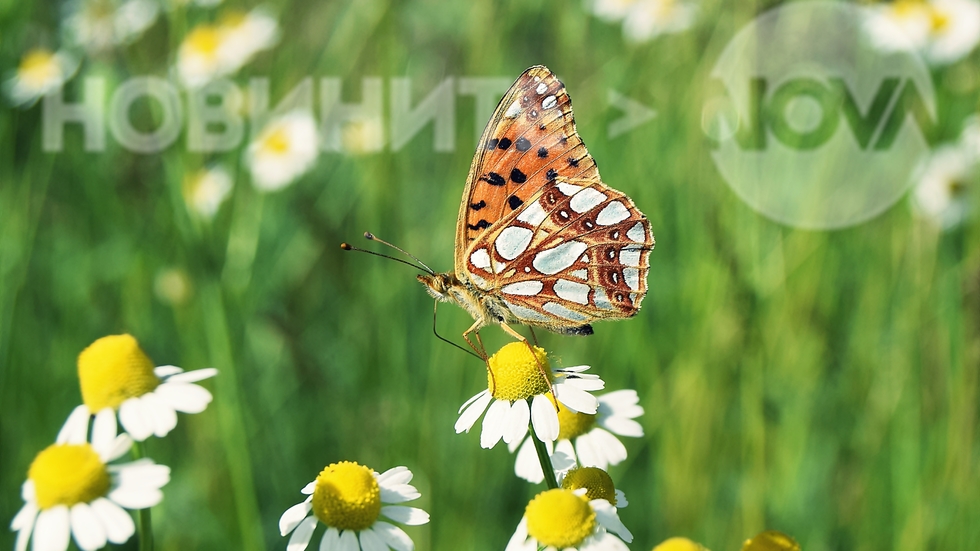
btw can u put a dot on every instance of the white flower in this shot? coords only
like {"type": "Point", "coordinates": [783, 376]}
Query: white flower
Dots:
{"type": "Point", "coordinates": [649, 19]}
{"type": "Point", "coordinates": [71, 490]}
{"type": "Point", "coordinates": [350, 499]}
{"type": "Point", "coordinates": [594, 442]}
{"type": "Point", "coordinates": [970, 137]}
{"type": "Point", "coordinates": [98, 25]}
{"type": "Point", "coordinates": [955, 30]}
{"type": "Point", "coordinates": [597, 483]}
{"type": "Point", "coordinates": [946, 181]}
{"type": "Point", "coordinates": [115, 374]}
{"type": "Point", "coordinates": [172, 286]}
{"type": "Point", "coordinates": [206, 189]}
{"type": "Point", "coordinates": [610, 10]}
{"type": "Point", "coordinates": [567, 520]}
{"type": "Point", "coordinates": [212, 51]}
{"type": "Point", "coordinates": [247, 34]}
{"type": "Point", "coordinates": [943, 31]}
{"type": "Point", "coordinates": [285, 149]}
{"type": "Point", "coordinates": [40, 72]}
{"type": "Point", "coordinates": [899, 26]}
{"type": "Point", "coordinates": [516, 379]}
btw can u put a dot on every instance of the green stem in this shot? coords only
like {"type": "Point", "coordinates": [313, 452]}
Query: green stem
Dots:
{"type": "Point", "coordinates": [545, 460]}
{"type": "Point", "coordinates": [145, 525]}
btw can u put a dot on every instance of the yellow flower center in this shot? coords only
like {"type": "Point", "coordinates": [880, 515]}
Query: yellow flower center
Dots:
{"type": "Point", "coordinates": [276, 142]}
{"type": "Point", "coordinates": [597, 482]}
{"type": "Point", "coordinates": [347, 496]}
{"type": "Point", "coordinates": [204, 40]}
{"type": "Point", "coordinates": [940, 21]}
{"type": "Point", "coordinates": [559, 518]}
{"type": "Point", "coordinates": [771, 540]}
{"type": "Point", "coordinates": [516, 373]}
{"type": "Point", "coordinates": [66, 474]}
{"type": "Point", "coordinates": [38, 67]}
{"type": "Point", "coordinates": [679, 544]}
{"type": "Point", "coordinates": [572, 424]}
{"type": "Point", "coordinates": [112, 370]}
{"type": "Point", "coordinates": [908, 9]}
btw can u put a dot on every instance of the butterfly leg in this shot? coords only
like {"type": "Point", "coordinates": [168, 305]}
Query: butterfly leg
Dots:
{"type": "Point", "coordinates": [481, 351]}
{"type": "Point", "coordinates": [547, 376]}
{"type": "Point", "coordinates": [533, 336]}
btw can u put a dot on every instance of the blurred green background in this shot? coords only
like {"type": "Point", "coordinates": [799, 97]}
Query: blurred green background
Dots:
{"type": "Point", "coordinates": [824, 384]}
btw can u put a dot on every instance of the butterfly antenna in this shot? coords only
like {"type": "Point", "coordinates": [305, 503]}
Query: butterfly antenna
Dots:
{"type": "Point", "coordinates": [348, 247]}
{"type": "Point", "coordinates": [435, 308]}
{"type": "Point", "coordinates": [372, 237]}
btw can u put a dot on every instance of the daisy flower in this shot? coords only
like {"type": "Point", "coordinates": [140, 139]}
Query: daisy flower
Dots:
{"type": "Point", "coordinates": [40, 72]}
{"type": "Point", "coordinates": [610, 10]}
{"type": "Point", "coordinates": [116, 375]}
{"type": "Point", "coordinates": [350, 499]}
{"type": "Point", "coordinates": [946, 182]}
{"type": "Point", "coordinates": [247, 34]}
{"type": "Point", "coordinates": [206, 189]}
{"type": "Point", "coordinates": [213, 51]}
{"type": "Point", "coordinates": [771, 540]}
{"type": "Point", "coordinates": [595, 443]}
{"type": "Point", "coordinates": [517, 393]}
{"type": "Point", "coordinates": [648, 19]}
{"type": "Point", "coordinates": [98, 25]}
{"type": "Point", "coordinates": [944, 31]}
{"type": "Point", "coordinates": [970, 137]}
{"type": "Point", "coordinates": [597, 483]}
{"type": "Point", "coordinates": [285, 149]}
{"type": "Point", "coordinates": [568, 520]}
{"type": "Point", "coordinates": [72, 490]}
{"type": "Point", "coordinates": [679, 544]}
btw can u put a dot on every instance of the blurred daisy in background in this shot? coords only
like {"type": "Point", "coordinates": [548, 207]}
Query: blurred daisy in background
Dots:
{"type": "Point", "coordinates": [597, 483]}
{"type": "Point", "coordinates": [206, 189]}
{"type": "Point", "coordinates": [350, 499]}
{"type": "Point", "coordinates": [172, 286]}
{"type": "Point", "coordinates": [592, 434]}
{"type": "Point", "coordinates": [568, 520]}
{"type": "Point", "coordinates": [518, 393]}
{"type": "Point", "coordinates": [946, 186]}
{"type": "Point", "coordinates": [970, 137]}
{"type": "Point", "coordinates": [211, 51]}
{"type": "Point", "coordinates": [943, 31]}
{"type": "Point", "coordinates": [286, 148]}
{"type": "Point", "coordinates": [644, 20]}
{"type": "Point", "coordinates": [72, 490]}
{"type": "Point", "coordinates": [99, 25]}
{"type": "Point", "coordinates": [116, 375]}
{"type": "Point", "coordinates": [679, 544]}
{"type": "Point", "coordinates": [40, 72]}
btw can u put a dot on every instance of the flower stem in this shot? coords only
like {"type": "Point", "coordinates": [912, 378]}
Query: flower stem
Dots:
{"type": "Point", "coordinates": [145, 525]}
{"type": "Point", "coordinates": [545, 460]}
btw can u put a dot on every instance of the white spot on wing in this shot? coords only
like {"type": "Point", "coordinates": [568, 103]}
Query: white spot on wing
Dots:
{"type": "Point", "coordinates": [513, 241]}
{"type": "Point", "coordinates": [585, 258]}
{"type": "Point", "coordinates": [637, 233]}
{"type": "Point", "coordinates": [480, 282]}
{"type": "Point", "coordinates": [525, 313]}
{"type": "Point", "coordinates": [586, 199]}
{"type": "Point", "coordinates": [549, 102]}
{"type": "Point", "coordinates": [542, 88]}
{"type": "Point", "coordinates": [480, 259]}
{"type": "Point", "coordinates": [568, 189]}
{"type": "Point", "coordinates": [533, 214]}
{"type": "Point", "coordinates": [558, 258]}
{"type": "Point", "coordinates": [498, 266]}
{"type": "Point", "coordinates": [562, 312]}
{"type": "Point", "coordinates": [581, 274]}
{"type": "Point", "coordinates": [513, 110]}
{"type": "Point", "coordinates": [601, 300]}
{"type": "Point", "coordinates": [629, 257]}
{"type": "Point", "coordinates": [572, 291]}
{"type": "Point", "coordinates": [614, 212]}
{"type": "Point", "coordinates": [524, 288]}
{"type": "Point", "coordinates": [632, 277]}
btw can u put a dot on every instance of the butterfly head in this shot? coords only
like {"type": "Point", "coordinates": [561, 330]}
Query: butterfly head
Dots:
{"type": "Point", "coordinates": [438, 285]}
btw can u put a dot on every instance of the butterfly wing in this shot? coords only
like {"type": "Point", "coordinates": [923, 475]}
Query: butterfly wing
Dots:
{"type": "Point", "coordinates": [529, 142]}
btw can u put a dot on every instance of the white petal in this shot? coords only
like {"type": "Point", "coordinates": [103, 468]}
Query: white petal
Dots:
{"type": "Point", "coordinates": [399, 493]}
{"type": "Point", "coordinates": [24, 517]}
{"type": "Point", "coordinates": [348, 541]}
{"type": "Point", "coordinates": [619, 401]}
{"type": "Point", "coordinates": [185, 397]}
{"type": "Point", "coordinates": [562, 461]}
{"type": "Point", "coordinates": [24, 532]}
{"type": "Point", "coordinates": [395, 476]}
{"type": "Point", "coordinates": [27, 491]}
{"type": "Point", "coordinates": [472, 399]}
{"type": "Point", "coordinates": [133, 498]}
{"type": "Point", "coordinates": [75, 429]}
{"type": "Point", "coordinates": [527, 465]}
{"type": "Point", "coordinates": [301, 536]}
{"type": "Point", "coordinates": [576, 399]}
{"type": "Point", "coordinates": [165, 371]}
{"type": "Point", "coordinates": [104, 433]}
{"type": "Point", "coordinates": [193, 376]}
{"type": "Point", "coordinates": [583, 383]}
{"type": "Point", "coordinates": [622, 426]}
{"type": "Point", "coordinates": [86, 527]}
{"type": "Point", "coordinates": [607, 517]}
{"type": "Point", "coordinates": [395, 537]}
{"type": "Point", "coordinates": [575, 368]}
{"type": "Point", "coordinates": [611, 448]}
{"type": "Point", "coordinates": [405, 515]}
{"type": "Point", "coordinates": [330, 540]}
{"type": "Point", "coordinates": [494, 423]}
{"type": "Point", "coordinates": [52, 529]}
{"type": "Point", "coordinates": [473, 412]}
{"type": "Point", "coordinates": [544, 418]}
{"type": "Point", "coordinates": [589, 455]}
{"type": "Point", "coordinates": [621, 499]}
{"type": "Point", "coordinates": [604, 541]}
{"type": "Point", "coordinates": [118, 524]}
{"type": "Point", "coordinates": [309, 488]}
{"type": "Point", "coordinates": [517, 421]}
{"type": "Point", "coordinates": [371, 541]}
{"type": "Point", "coordinates": [161, 414]}
{"type": "Point", "coordinates": [293, 516]}
{"type": "Point", "coordinates": [141, 474]}
{"type": "Point", "coordinates": [134, 420]}
{"type": "Point", "coordinates": [519, 541]}
{"type": "Point", "coordinates": [121, 444]}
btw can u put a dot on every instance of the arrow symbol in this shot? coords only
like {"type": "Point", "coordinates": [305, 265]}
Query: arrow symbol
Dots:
{"type": "Point", "coordinates": [634, 114]}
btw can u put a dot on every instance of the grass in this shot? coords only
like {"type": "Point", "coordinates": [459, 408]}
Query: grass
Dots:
{"type": "Point", "coordinates": [820, 383]}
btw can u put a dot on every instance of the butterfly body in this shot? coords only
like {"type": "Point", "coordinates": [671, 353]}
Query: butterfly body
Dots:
{"type": "Point", "coordinates": [540, 239]}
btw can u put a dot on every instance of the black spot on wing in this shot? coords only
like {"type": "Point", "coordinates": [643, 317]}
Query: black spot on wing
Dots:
{"type": "Point", "coordinates": [504, 143]}
{"type": "Point", "coordinates": [551, 174]}
{"type": "Point", "coordinates": [478, 206]}
{"type": "Point", "coordinates": [482, 224]}
{"type": "Point", "coordinates": [514, 201]}
{"type": "Point", "coordinates": [517, 176]}
{"type": "Point", "coordinates": [542, 152]}
{"type": "Point", "coordinates": [492, 144]}
{"type": "Point", "coordinates": [494, 179]}
{"type": "Point", "coordinates": [522, 144]}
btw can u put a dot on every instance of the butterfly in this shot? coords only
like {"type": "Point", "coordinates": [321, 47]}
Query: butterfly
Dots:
{"type": "Point", "coordinates": [540, 239]}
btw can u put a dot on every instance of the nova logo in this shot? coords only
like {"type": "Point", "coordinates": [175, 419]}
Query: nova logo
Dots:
{"type": "Point", "coordinates": [821, 131]}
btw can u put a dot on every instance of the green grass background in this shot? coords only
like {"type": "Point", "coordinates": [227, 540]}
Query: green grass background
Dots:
{"type": "Point", "coordinates": [821, 383]}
